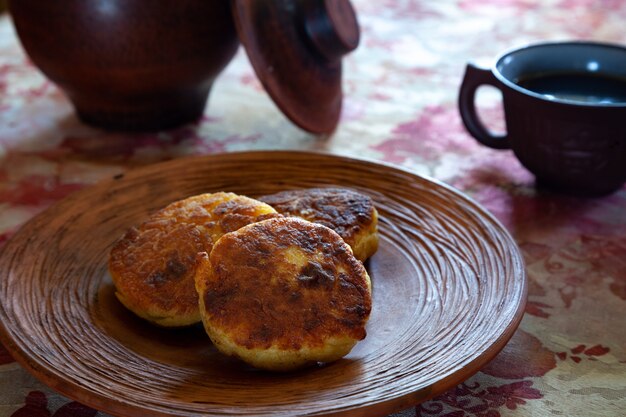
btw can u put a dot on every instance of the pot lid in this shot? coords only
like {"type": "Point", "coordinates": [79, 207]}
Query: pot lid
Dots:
{"type": "Point", "coordinates": [295, 48]}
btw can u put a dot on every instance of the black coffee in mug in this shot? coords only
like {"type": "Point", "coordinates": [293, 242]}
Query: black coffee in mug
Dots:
{"type": "Point", "coordinates": [565, 112]}
{"type": "Point", "coordinates": [586, 87]}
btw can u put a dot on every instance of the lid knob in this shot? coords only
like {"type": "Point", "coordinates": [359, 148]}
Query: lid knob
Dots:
{"type": "Point", "coordinates": [332, 26]}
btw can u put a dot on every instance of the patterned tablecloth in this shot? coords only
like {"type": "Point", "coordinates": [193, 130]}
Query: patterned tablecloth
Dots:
{"type": "Point", "coordinates": [568, 357]}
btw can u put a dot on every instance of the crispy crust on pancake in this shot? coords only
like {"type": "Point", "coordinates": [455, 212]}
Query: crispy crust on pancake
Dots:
{"type": "Point", "coordinates": [153, 265]}
{"type": "Point", "coordinates": [283, 293]}
{"type": "Point", "coordinates": [349, 213]}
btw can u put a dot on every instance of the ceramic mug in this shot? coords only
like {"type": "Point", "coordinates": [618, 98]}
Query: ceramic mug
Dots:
{"type": "Point", "coordinates": [565, 113]}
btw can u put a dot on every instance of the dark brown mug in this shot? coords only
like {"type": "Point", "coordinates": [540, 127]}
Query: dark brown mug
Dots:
{"type": "Point", "coordinates": [565, 113]}
{"type": "Point", "coordinates": [129, 64]}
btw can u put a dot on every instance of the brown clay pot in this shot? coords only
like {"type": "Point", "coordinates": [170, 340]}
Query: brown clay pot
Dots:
{"type": "Point", "coordinates": [129, 64]}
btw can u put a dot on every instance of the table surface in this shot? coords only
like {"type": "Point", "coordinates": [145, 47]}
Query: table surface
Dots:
{"type": "Point", "coordinates": [568, 358]}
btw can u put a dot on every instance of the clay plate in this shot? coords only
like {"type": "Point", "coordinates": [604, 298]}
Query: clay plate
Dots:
{"type": "Point", "coordinates": [448, 283]}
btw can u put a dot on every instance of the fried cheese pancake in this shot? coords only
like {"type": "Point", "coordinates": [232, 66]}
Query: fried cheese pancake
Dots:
{"type": "Point", "coordinates": [282, 294]}
{"type": "Point", "coordinates": [153, 265]}
{"type": "Point", "coordinates": [349, 213]}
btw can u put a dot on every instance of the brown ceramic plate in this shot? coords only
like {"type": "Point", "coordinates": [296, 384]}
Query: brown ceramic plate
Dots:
{"type": "Point", "coordinates": [448, 283]}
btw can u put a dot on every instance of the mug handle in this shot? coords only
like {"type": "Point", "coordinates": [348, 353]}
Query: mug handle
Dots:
{"type": "Point", "coordinates": [474, 78]}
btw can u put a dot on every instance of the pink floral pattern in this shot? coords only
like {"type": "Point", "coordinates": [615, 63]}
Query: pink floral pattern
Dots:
{"type": "Point", "coordinates": [580, 352]}
{"type": "Point", "coordinates": [569, 355]}
{"type": "Point", "coordinates": [473, 400]}
{"type": "Point", "coordinates": [36, 405]}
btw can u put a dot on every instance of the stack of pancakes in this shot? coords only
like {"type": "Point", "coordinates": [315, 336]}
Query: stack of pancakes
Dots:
{"type": "Point", "coordinates": [278, 282]}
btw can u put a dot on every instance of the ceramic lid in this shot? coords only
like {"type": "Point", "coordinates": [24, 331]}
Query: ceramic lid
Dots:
{"type": "Point", "coordinates": [296, 47]}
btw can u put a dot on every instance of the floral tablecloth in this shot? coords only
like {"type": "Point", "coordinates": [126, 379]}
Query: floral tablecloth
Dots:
{"type": "Point", "coordinates": [568, 357]}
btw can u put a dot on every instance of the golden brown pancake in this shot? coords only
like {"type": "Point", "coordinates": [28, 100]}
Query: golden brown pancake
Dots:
{"type": "Point", "coordinates": [153, 265]}
{"type": "Point", "coordinates": [283, 293]}
{"type": "Point", "coordinates": [349, 213]}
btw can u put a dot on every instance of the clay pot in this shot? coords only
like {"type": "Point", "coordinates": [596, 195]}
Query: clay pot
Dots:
{"type": "Point", "coordinates": [129, 64]}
